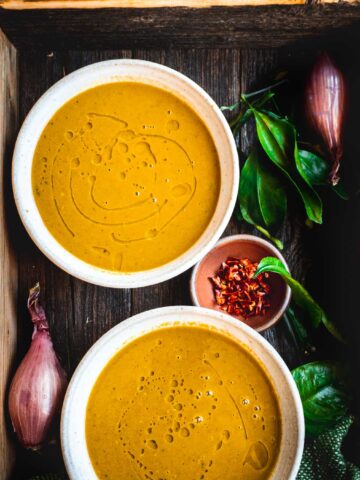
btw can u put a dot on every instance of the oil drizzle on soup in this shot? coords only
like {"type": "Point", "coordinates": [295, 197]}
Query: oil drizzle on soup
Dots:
{"type": "Point", "coordinates": [183, 403]}
{"type": "Point", "coordinates": [126, 176]}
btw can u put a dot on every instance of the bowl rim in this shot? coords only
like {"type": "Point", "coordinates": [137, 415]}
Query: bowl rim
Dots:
{"type": "Point", "coordinates": [70, 412]}
{"type": "Point", "coordinates": [260, 241]}
{"type": "Point", "coordinates": [25, 202]}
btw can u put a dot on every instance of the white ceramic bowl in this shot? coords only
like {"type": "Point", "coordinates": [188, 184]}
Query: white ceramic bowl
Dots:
{"type": "Point", "coordinates": [98, 74]}
{"type": "Point", "coordinates": [73, 440]}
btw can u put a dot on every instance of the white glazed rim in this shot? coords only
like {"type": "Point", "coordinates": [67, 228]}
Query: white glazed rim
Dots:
{"type": "Point", "coordinates": [259, 241]}
{"type": "Point", "coordinates": [73, 441]}
{"type": "Point", "coordinates": [107, 72]}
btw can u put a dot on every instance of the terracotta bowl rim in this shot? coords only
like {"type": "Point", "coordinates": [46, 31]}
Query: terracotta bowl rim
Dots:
{"type": "Point", "coordinates": [260, 241]}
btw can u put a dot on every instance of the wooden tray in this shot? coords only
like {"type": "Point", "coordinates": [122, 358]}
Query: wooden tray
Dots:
{"type": "Point", "coordinates": [227, 47]}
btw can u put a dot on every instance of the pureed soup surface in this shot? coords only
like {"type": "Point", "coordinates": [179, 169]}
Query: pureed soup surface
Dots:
{"type": "Point", "coordinates": [126, 176]}
{"type": "Point", "coordinates": [184, 403]}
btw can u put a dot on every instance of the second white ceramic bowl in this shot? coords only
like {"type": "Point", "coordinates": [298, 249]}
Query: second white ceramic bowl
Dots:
{"type": "Point", "coordinates": [117, 71]}
{"type": "Point", "coordinates": [73, 439]}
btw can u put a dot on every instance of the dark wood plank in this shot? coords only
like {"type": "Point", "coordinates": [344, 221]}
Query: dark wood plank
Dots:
{"type": "Point", "coordinates": [260, 26]}
{"type": "Point", "coordinates": [8, 259]}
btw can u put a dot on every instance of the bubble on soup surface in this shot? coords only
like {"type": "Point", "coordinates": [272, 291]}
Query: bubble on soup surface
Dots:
{"type": "Point", "coordinates": [142, 147]}
{"type": "Point", "coordinates": [152, 233]}
{"type": "Point", "coordinates": [169, 438]}
{"type": "Point", "coordinates": [257, 456]}
{"type": "Point", "coordinates": [128, 134]}
{"type": "Point", "coordinates": [226, 434]}
{"type": "Point", "coordinates": [153, 444]}
{"type": "Point", "coordinates": [122, 147]}
{"type": "Point", "coordinates": [180, 189]}
{"type": "Point", "coordinates": [97, 159]}
{"type": "Point", "coordinates": [185, 432]}
{"type": "Point", "coordinates": [75, 162]}
{"type": "Point", "coordinates": [173, 125]}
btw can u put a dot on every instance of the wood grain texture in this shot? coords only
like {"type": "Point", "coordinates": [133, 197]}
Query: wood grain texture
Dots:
{"type": "Point", "coordinates": [8, 268]}
{"type": "Point", "coordinates": [246, 26]}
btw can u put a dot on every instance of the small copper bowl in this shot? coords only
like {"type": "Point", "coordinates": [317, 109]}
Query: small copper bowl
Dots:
{"type": "Point", "coordinates": [241, 246]}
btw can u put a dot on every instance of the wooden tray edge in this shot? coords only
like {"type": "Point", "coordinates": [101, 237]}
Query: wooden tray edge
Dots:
{"type": "Point", "coordinates": [94, 4]}
{"type": "Point", "coordinates": [8, 276]}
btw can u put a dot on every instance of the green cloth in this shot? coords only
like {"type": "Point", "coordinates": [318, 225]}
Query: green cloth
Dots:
{"type": "Point", "coordinates": [323, 460]}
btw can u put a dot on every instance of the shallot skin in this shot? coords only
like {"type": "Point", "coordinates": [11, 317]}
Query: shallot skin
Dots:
{"type": "Point", "coordinates": [38, 387]}
{"type": "Point", "coordinates": [325, 104]}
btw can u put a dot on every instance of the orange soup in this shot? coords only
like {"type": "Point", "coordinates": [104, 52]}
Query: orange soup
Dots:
{"type": "Point", "coordinates": [184, 403]}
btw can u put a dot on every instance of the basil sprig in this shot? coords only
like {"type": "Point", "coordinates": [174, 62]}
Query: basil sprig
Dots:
{"type": "Point", "coordinates": [262, 197]}
{"type": "Point", "coordinates": [277, 143]}
{"type": "Point", "coordinates": [300, 296]}
{"type": "Point", "coordinates": [277, 137]}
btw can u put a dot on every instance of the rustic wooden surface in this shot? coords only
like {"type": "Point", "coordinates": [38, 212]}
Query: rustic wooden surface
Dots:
{"type": "Point", "coordinates": [80, 313]}
{"type": "Point", "coordinates": [8, 275]}
{"type": "Point", "coordinates": [245, 26]}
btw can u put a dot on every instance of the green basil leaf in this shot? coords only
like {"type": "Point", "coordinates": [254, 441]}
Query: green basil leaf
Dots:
{"type": "Point", "coordinates": [277, 137]}
{"type": "Point", "coordinates": [300, 295]}
{"type": "Point", "coordinates": [271, 196]}
{"type": "Point", "coordinates": [324, 395]}
{"type": "Point", "coordinates": [297, 329]}
{"type": "Point", "coordinates": [248, 198]}
{"type": "Point", "coordinates": [239, 121]}
{"type": "Point", "coordinates": [316, 171]}
{"type": "Point", "coordinates": [238, 215]}
{"type": "Point", "coordinates": [245, 113]}
{"type": "Point", "coordinates": [248, 201]}
{"type": "Point", "coordinates": [312, 168]}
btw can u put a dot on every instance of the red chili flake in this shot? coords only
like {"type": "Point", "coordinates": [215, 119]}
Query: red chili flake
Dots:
{"type": "Point", "coordinates": [237, 292]}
